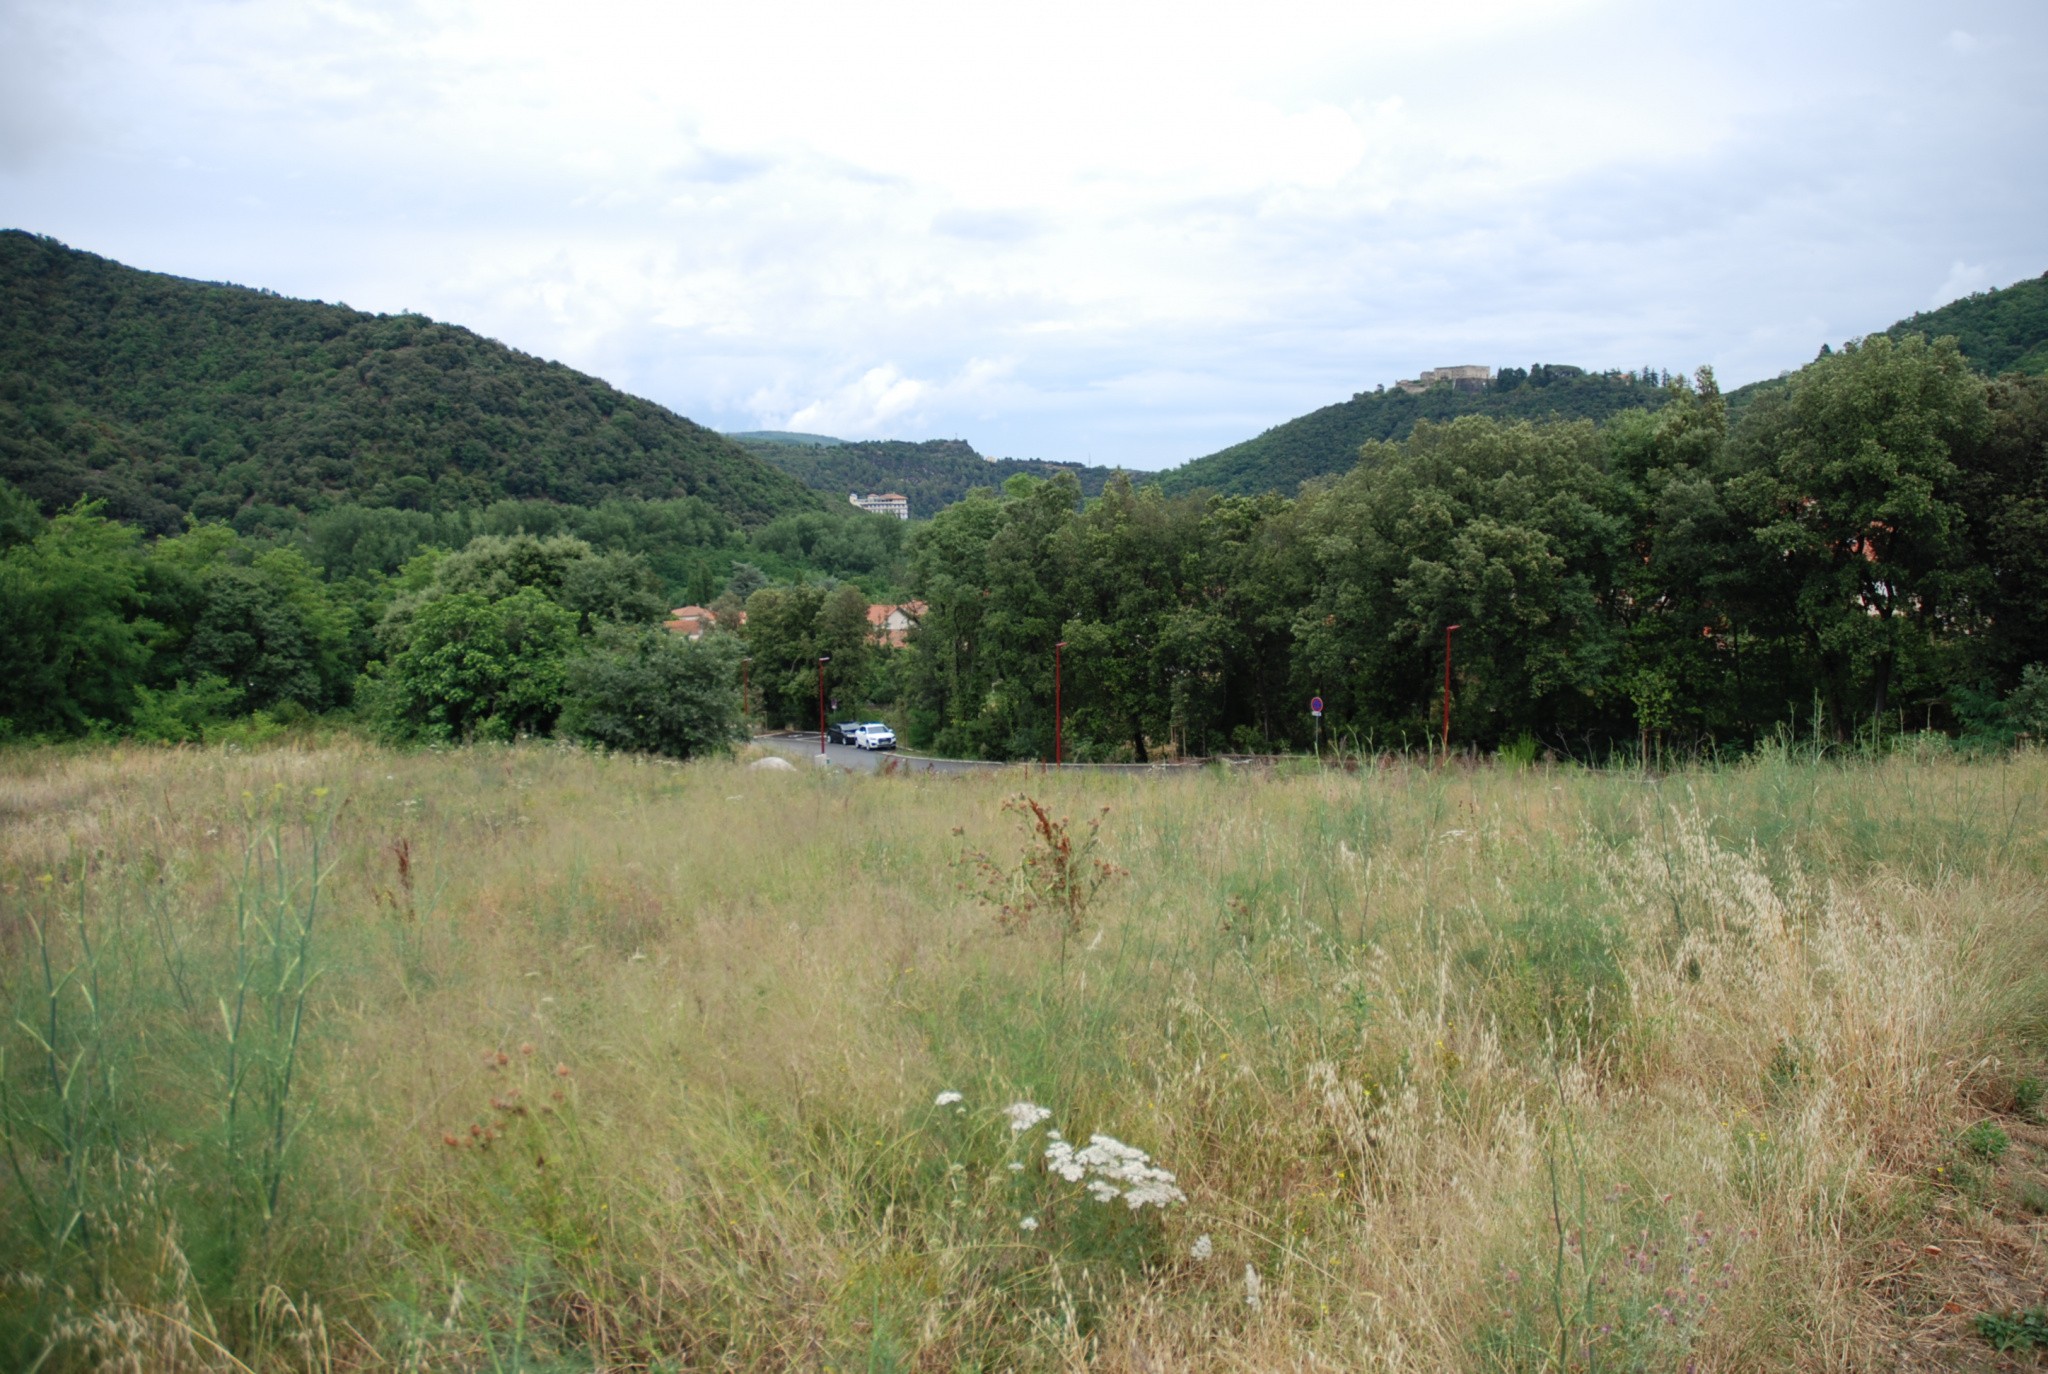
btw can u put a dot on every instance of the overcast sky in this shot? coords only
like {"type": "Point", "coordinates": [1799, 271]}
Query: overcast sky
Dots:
{"type": "Point", "coordinates": [1127, 233]}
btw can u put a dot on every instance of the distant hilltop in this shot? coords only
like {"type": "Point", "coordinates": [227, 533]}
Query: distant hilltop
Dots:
{"type": "Point", "coordinates": [783, 436]}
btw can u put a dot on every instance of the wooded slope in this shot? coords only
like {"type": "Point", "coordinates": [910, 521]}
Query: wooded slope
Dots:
{"type": "Point", "coordinates": [167, 397]}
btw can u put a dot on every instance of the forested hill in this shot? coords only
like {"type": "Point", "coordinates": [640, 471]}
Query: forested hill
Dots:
{"type": "Point", "coordinates": [1999, 331]}
{"type": "Point", "coordinates": [167, 397]}
{"type": "Point", "coordinates": [933, 474]}
{"type": "Point", "coordinates": [1326, 441]}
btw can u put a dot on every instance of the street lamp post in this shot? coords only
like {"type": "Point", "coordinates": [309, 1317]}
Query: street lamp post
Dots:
{"type": "Point", "coordinates": [823, 659]}
{"type": "Point", "coordinates": [1058, 759]}
{"type": "Point", "coordinates": [1449, 630]}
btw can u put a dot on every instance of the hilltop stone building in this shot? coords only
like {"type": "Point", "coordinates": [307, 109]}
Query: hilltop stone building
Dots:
{"type": "Point", "coordinates": [1465, 377]}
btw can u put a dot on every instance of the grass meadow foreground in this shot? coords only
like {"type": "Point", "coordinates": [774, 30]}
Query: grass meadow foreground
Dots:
{"type": "Point", "coordinates": [519, 1058]}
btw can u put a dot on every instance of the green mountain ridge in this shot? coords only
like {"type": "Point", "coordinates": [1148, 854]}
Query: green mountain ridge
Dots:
{"type": "Point", "coordinates": [933, 473]}
{"type": "Point", "coordinates": [1326, 441]}
{"type": "Point", "coordinates": [1999, 331]}
{"type": "Point", "coordinates": [782, 436]}
{"type": "Point", "coordinates": [2002, 330]}
{"type": "Point", "coordinates": [168, 398]}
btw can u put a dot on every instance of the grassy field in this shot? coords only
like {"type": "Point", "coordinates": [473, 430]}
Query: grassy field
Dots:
{"type": "Point", "coordinates": [518, 1058]}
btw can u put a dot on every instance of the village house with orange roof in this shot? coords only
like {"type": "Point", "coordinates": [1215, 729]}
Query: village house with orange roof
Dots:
{"type": "Point", "coordinates": [693, 621]}
{"type": "Point", "coordinates": [891, 625]}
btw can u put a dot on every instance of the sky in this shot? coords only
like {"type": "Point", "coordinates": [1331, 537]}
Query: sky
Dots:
{"type": "Point", "coordinates": [1102, 232]}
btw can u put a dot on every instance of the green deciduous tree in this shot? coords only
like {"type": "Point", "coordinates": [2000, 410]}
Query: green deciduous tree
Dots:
{"type": "Point", "coordinates": [651, 692]}
{"type": "Point", "coordinates": [477, 668]}
{"type": "Point", "coordinates": [1847, 479]}
{"type": "Point", "coordinates": [71, 651]}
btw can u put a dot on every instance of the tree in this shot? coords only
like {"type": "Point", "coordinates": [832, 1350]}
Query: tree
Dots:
{"type": "Point", "coordinates": [782, 636]}
{"type": "Point", "coordinates": [612, 587]}
{"type": "Point", "coordinates": [1127, 562]}
{"type": "Point", "coordinates": [745, 580]}
{"type": "Point", "coordinates": [1847, 479]}
{"type": "Point", "coordinates": [1512, 531]}
{"type": "Point", "coordinates": [476, 668]}
{"type": "Point", "coordinates": [70, 644]}
{"type": "Point", "coordinates": [272, 632]}
{"type": "Point", "coordinates": [2003, 490]}
{"type": "Point", "coordinates": [496, 565]}
{"type": "Point", "coordinates": [651, 692]}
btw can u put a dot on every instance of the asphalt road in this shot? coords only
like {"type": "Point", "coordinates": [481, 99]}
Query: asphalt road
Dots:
{"type": "Point", "coordinates": [801, 749]}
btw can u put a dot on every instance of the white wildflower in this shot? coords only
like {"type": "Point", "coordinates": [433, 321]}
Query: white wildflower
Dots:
{"type": "Point", "coordinates": [946, 1098]}
{"type": "Point", "coordinates": [1025, 1115]}
{"type": "Point", "coordinates": [1028, 1224]}
{"type": "Point", "coordinates": [1251, 1288]}
{"type": "Point", "coordinates": [1202, 1249]}
{"type": "Point", "coordinates": [1113, 1169]}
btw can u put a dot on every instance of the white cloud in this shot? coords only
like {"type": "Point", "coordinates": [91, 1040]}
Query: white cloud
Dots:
{"type": "Point", "coordinates": [875, 402]}
{"type": "Point", "coordinates": [1963, 278]}
{"type": "Point", "coordinates": [882, 401]}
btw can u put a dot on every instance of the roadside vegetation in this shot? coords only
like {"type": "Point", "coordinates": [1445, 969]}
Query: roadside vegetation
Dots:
{"type": "Point", "coordinates": [330, 1056]}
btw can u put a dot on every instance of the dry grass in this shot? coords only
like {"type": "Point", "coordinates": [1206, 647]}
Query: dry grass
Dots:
{"type": "Point", "coordinates": [1486, 1070]}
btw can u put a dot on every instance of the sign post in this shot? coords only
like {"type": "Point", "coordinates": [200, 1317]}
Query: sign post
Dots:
{"type": "Point", "coordinates": [823, 659]}
{"type": "Point", "coordinates": [1449, 630]}
{"type": "Point", "coordinates": [1315, 708]}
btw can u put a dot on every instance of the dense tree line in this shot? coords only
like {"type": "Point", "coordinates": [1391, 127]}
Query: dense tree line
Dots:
{"type": "Point", "coordinates": [522, 619]}
{"type": "Point", "coordinates": [167, 398]}
{"type": "Point", "coordinates": [933, 474]}
{"type": "Point", "coordinates": [1866, 549]}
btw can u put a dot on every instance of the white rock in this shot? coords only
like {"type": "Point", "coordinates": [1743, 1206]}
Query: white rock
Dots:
{"type": "Point", "coordinates": [771, 764]}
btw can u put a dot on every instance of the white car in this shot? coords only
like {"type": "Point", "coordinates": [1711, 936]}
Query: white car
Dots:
{"type": "Point", "coordinates": [874, 735]}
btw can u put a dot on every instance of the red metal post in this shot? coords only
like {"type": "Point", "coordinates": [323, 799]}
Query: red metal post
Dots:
{"type": "Point", "coordinates": [1057, 753]}
{"type": "Point", "coordinates": [823, 659]}
{"type": "Point", "coordinates": [1448, 632]}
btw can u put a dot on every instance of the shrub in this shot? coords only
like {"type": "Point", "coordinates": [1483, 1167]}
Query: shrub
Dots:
{"type": "Point", "coordinates": [2015, 1331]}
{"type": "Point", "coordinates": [180, 714]}
{"type": "Point", "coordinates": [652, 692]}
{"type": "Point", "coordinates": [1986, 1141]}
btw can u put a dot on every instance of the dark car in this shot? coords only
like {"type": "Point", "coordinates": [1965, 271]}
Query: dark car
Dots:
{"type": "Point", "coordinates": [841, 731]}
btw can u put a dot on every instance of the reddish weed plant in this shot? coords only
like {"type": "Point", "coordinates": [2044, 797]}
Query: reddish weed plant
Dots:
{"type": "Point", "coordinates": [1056, 871]}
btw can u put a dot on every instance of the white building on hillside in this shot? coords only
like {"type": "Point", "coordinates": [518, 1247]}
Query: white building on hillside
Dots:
{"type": "Point", "coordinates": [888, 503]}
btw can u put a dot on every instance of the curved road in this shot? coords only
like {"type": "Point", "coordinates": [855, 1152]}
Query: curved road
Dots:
{"type": "Point", "coordinates": [803, 748]}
